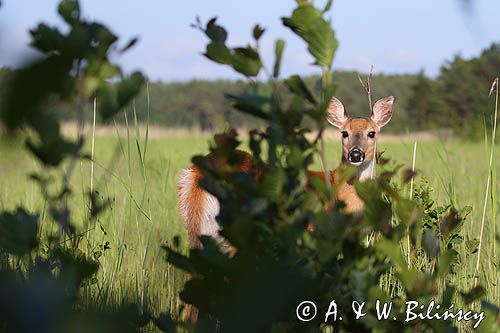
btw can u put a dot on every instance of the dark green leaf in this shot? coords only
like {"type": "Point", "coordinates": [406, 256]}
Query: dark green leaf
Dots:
{"type": "Point", "coordinates": [70, 11]}
{"type": "Point", "coordinates": [165, 323]}
{"type": "Point", "coordinates": [101, 39]}
{"type": "Point", "coordinates": [52, 151]}
{"type": "Point", "coordinates": [391, 249]}
{"type": "Point", "coordinates": [246, 61]}
{"type": "Point", "coordinates": [473, 295]}
{"type": "Point", "coordinates": [431, 243]}
{"type": "Point", "coordinates": [131, 43]}
{"type": "Point", "coordinates": [129, 88]}
{"type": "Point", "coordinates": [18, 232]}
{"type": "Point", "coordinates": [297, 86]}
{"type": "Point", "coordinates": [258, 31]}
{"type": "Point", "coordinates": [218, 52]}
{"type": "Point", "coordinates": [75, 267]}
{"type": "Point", "coordinates": [178, 260]}
{"type": "Point", "coordinates": [450, 222]}
{"type": "Point", "coordinates": [215, 32]}
{"type": "Point", "coordinates": [491, 321]}
{"type": "Point", "coordinates": [446, 261]}
{"type": "Point", "coordinates": [46, 39]}
{"type": "Point", "coordinates": [328, 6]}
{"type": "Point", "coordinates": [259, 106]}
{"type": "Point", "coordinates": [115, 97]}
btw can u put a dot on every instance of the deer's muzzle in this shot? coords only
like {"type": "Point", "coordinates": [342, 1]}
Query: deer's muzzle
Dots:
{"type": "Point", "coordinates": [356, 155]}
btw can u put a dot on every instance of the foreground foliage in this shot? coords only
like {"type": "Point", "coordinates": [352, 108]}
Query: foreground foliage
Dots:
{"type": "Point", "coordinates": [267, 216]}
{"type": "Point", "coordinates": [41, 278]}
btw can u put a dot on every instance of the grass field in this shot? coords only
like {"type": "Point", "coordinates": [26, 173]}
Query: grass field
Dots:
{"type": "Point", "coordinates": [143, 213]}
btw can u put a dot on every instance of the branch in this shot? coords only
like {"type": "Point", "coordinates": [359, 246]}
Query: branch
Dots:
{"type": "Point", "coordinates": [368, 87]}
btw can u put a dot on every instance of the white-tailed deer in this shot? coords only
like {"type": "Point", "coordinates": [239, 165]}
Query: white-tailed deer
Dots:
{"type": "Point", "coordinates": [199, 209]}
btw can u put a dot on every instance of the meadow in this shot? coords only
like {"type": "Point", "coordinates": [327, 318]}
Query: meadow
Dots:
{"type": "Point", "coordinates": [142, 216]}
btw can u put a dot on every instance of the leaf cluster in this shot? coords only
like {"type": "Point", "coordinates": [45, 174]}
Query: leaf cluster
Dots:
{"type": "Point", "coordinates": [293, 243]}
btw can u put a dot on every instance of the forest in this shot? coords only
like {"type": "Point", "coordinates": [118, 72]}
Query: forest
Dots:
{"type": "Point", "coordinates": [455, 100]}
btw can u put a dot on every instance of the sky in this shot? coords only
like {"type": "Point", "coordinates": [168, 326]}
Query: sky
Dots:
{"type": "Point", "coordinates": [395, 36]}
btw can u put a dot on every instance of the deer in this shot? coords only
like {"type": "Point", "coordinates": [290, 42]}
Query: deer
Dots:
{"type": "Point", "coordinates": [199, 209]}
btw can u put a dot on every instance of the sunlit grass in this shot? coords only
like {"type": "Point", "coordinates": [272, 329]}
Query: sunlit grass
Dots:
{"type": "Point", "coordinates": [143, 213]}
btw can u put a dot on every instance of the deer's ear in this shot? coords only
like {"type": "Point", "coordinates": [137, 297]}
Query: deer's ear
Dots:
{"type": "Point", "coordinates": [382, 111]}
{"type": "Point", "coordinates": [336, 113]}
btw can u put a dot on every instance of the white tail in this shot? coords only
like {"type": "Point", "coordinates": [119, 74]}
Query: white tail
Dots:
{"type": "Point", "coordinates": [198, 208]}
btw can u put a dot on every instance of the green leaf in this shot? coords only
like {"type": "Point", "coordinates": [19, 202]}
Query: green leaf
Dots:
{"type": "Point", "coordinates": [215, 32]}
{"type": "Point", "coordinates": [272, 183]}
{"type": "Point", "coordinates": [257, 32]}
{"type": "Point", "coordinates": [115, 97]}
{"type": "Point", "coordinates": [130, 44]}
{"type": "Point", "coordinates": [46, 39]}
{"type": "Point", "coordinates": [296, 85]}
{"type": "Point", "coordinates": [392, 250]}
{"type": "Point", "coordinates": [431, 243]}
{"type": "Point", "coordinates": [78, 42]}
{"type": "Point", "coordinates": [52, 151]}
{"type": "Point", "coordinates": [75, 266]}
{"type": "Point", "coordinates": [218, 52]}
{"type": "Point", "coordinates": [129, 88]}
{"type": "Point", "coordinates": [246, 61]}
{"type": "Point", "coordinates": [258, 106]}
{"type": "Point", "coordinates": [101, 38]}
{"type": "Point", "coordinates": [473, 295]}
{"type": "Point", "coordinates": [178, 260]}
{"type": "Point", "coordinates": [69, 11]}
{"type": "Point", "coordinates": [450, 222]}
{"type": "Point", "coordinates": [18, 232]}
{"type": "Point", "coordinates": [471, 245]}
{"type": "Point", "coordinates": [327, 6]}
{"type": "Point", "coordinates": [308, 23]}
{"type": "Point", "coordinates": [408, 211]}
{"type": "Point", "coordinates": [491, 321]}
{"type": "Point", "coordinates": [165, 322]}
{"type": "Point", "coordinates": [278, 55]}
{"type": "Point", "coordinates": [446, 261]}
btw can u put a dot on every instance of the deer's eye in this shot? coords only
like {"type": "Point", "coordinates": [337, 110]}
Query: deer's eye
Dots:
{"type": "Point", "coordinates": [345, 134]}
{"type": "Point", "coordinates": [371, 135]}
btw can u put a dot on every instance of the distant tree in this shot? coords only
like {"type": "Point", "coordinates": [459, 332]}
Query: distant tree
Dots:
{"type": "Point", "coordinates": [458, 97]}
{"type": "Point", "coordinates": [422, 102]}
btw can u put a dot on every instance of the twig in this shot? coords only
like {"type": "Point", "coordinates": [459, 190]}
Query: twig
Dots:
{"type": "Point", "coordinates": [368, 87]}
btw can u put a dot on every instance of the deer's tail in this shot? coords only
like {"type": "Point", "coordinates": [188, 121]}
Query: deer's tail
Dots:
{"type": "Point", "coordinates": [197, 207]}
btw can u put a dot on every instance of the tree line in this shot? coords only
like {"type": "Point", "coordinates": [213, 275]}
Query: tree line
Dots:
{"type": "Point", "coordinates": [457, 99]}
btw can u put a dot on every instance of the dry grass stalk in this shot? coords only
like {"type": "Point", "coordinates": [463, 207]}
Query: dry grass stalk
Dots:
{"type": "Point", "coordinates": [488, 181]}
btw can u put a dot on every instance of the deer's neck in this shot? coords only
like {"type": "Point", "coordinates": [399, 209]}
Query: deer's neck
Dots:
{"type": "Point", "coordinates": [365, 170]}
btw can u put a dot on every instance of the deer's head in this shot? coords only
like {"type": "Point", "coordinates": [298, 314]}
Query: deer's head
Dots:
{"type": "Point", "coordinates": [359, 135]}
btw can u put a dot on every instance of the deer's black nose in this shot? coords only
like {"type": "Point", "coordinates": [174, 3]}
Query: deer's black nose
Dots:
{"type": "Point", "coordinates": [356, 155]}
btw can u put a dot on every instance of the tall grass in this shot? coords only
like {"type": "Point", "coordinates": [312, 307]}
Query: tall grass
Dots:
{"type": "Point", "coordinates": [408, 243]}
{"type": "Point", "coordinates": [490, 178]}
{"type": "Point", "coordinates": [143, 213]}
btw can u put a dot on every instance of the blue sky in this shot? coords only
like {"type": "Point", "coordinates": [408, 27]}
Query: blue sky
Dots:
{"type": "Point", "coordinates": [396, 36]}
